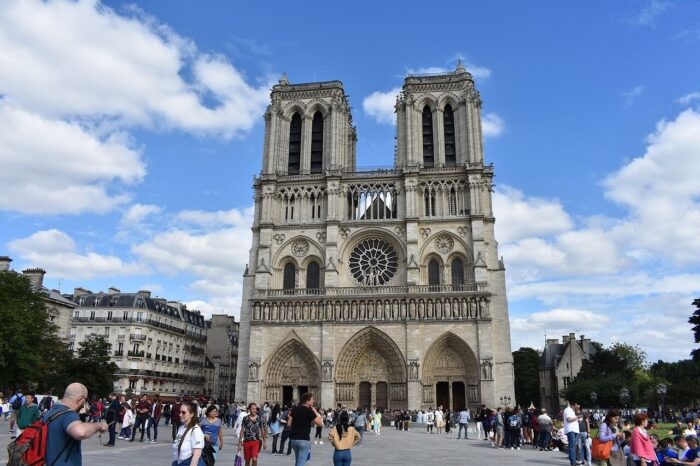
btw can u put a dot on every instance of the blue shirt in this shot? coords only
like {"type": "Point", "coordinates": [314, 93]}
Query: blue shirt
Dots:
{"type": "Point", "coordinates": [690, 455]}
{"type": "Point", "coordinates": [59, 442]}
{"type": "Point", "coordinates": [211, 428]}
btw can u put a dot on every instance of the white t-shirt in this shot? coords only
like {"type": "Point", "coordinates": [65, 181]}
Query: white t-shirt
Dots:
{"type": "Point", "coordinates": [194, 439]}
{"type": "Point", "coordinates": [438, 416]}
{"type": "Point", "coordinates": [570, 426]}
{"type": "Point", "coordinates": [429, 417]}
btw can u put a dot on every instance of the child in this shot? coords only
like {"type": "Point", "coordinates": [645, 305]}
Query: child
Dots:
{"type": "Point", "coordinates": [128, 421]}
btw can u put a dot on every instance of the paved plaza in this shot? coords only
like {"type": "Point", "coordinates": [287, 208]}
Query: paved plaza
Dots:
{"type": "Point", "coordinates": [391, 448]}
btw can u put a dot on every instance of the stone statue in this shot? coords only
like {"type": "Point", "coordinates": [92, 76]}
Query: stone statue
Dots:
{"type": "Point", "coordinates": [253, 368]}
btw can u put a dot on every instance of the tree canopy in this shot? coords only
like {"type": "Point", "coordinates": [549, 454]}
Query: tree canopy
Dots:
{"type": "Point", "coordinates": [527, 376]}
{"type": "Point", "coordinates": [695, 320]}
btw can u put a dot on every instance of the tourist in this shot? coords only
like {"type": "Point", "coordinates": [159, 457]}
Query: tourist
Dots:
{"type": "Point", "coordinates": [175, 417]}
{"type": "Point", "coordinates": [419, 417]}
{"type": "Point", "coordinates": [571, 430]}
{"type": "Point", "coordinates": [113, 409]}
{"type": "Point", "coordinates": [463, 423]}
{"type": "Point", "coordinates": [286, 431]}
{"type": "Point", "coordinates": [275, 426]}
{"type": "Point", "coordinates": [301, 418]}
{"type": "Point", "coordinates": [128, 422]}
{"type": "Point", "coordinates": [16, 402]}
{"type": "Point", "coordinates": [66, 431]}
{"type": "Point", "coordinates": [28, 413]}
{"type": "Point", "coordinates": [439, 420]}
{"type": "Point", "coordinates": [154, 413]}
{"type": "Point", "coordinates": [690, 430]}
{"type": "Point", "coordinates": [535, 427]}
{"type": "Point", "coordinates": [406, 420]}
{"type": "Point", "coordinates": [609, 432]}
{"type": "Point", "coordinates": [513, 430]}
{"type": "Point", "coordinates": [527, 426]}
{"type": "Point", "coordinates": [448, 420]}
{"type": "Point", "coordinates": [360, 423]}
{"type": "Point", "coordinates": [584, 449]}
{"type": "Point", "coordinates": [544, 423]}
{"type": "Point", "coordinates": [499, 427]}
{"type": "Point", "coordinates": [429, 420]}
{"type": "Point", "coordinates": [167, 408]}
{"type": "Point", "coordinates": [318, 439]}
{"type": "Point", "coordinates": [252, 436]}
{"type": "Point", "coordinates": [189, 441]}
{"type": "Point", "coordinates": [212, 427]}
{"type": "Point", "coordinates": [641, 448]}
{"type": "Point", "coordinates": [480, 418]}
{"type": "Point", "coordinates": [343, 437]}
{"type": "Point", "coordinates": [667, 450]}
{"type": "Point", "coordinates": [143, 408]}
{"type": "Point", "coordinates": [377, 423]}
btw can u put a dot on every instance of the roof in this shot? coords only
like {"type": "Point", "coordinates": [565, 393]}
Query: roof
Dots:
{"type": "Point", "coordinates": [552, 352]}
{"type": "Point", "coordinates": [135, 300]}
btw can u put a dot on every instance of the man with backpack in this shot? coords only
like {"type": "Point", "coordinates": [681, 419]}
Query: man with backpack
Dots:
{"type": "Point", "coordinates": [360, 423]}
{"type": "Point", "coordinates": [55, 438]}
{"type": "Point", "coordinates": [28, 413]}
{"type": "Point", "coordinates": [16, 403]}
{"type": "Point", "coordinates": [514, 425]}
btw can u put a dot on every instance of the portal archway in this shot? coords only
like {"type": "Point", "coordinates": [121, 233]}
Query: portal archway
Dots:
{"type": "Point", "coordinates": [371, 358]}
{"type": "Point", "coordinates": [451, 374]}
{"type": "Point", "coordinates": [291, 371]}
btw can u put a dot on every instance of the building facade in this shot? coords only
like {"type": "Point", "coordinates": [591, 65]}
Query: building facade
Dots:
{"type": "Point", "coordinates": [222, 351]}
{"type": "Point", "coordinates": [560, 364]}
{"type": "Point", "coordinates": [380, 286]}
{"type": "Point", "coordinates": [158, 345]}
{"type": "Point", "coordinates": [59, 308]}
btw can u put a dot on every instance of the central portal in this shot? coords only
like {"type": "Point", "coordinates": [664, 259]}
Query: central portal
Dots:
{"type": "Point", "coordinates": [365, 395]}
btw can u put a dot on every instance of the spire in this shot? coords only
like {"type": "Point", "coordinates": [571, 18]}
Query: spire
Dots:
{"type": "Point", "coordinates": [460, 67]}
{"type": "Point", "coordinates": [284, 80]}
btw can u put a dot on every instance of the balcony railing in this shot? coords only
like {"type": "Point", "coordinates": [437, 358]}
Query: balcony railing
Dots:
{"type": "Point", "coordinates": [119, 353]}
{"type": "Point", "coordinates": [136, 354]}
{"type": "Point", "coordinates": [374, 290]}
{"type": "Point", "coordinates": [137, 337]}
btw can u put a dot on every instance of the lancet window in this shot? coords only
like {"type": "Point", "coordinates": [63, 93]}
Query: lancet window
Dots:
{"type": "Point", "coordinates": [449, 131]}
{"type": "Point", "coordinates": [372, 201]}
{"type": "Point", "coordinates": [428, 146]}
{"type": "Point", "coordinates": [302, 204]}
{"type": "Point", "coordinates": [313, 275]}
{"type": "Point", "coordinates": [317, 143]}
{"type": "Point", "coordinates": [289, 276]}
{"type": "Point", "coordinates": [294, 161]}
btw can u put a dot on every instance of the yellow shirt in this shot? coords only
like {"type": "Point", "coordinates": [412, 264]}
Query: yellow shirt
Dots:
{"type": "Point", "coordinates": [350, 438]}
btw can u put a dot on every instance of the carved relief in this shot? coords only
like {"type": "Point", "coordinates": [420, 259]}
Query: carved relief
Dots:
{"type": "Point", "coordinates": [321, 237]}
{"type": "Point", "coordinates": [279, 238]}
{"type": "Point", "coordinates": [400, 230]}
{"type": "Point", "coordinates": [413, 370]}
{"type": "Point", "coordinates": [300, 248]}
{"type": "Point", "coordinates": [444, 244]}
{"type": "Point", "coordinates": [487, 369]}
{"type": "Point", "coordinates": [424, 233]}
{"type": "Point", "coordinates": [344, 233]}
{"type": "Point", "coordinates": [253, 371]}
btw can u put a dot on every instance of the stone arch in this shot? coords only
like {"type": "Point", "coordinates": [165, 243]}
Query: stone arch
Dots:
{"type": "Point", "coordinates": [467, 264]}
{"type": "Point", "coordinates": [294, 107]}
{"type": "Point", "coordinates": [291, 364]}
{"type": "Point", "coordinates": [448, 98]}
{"type": "Point", "coordinates": [317, 106]}
{"type": "Point", "coordinates": [426, 99]}
{"type": "Point", "coordinates": [285, 254]}
{"type": "Point", "coordinates": [460, 246]}
{"type": "Point", "coordinates": [372, 357]}
{"type": "Point", "coordinates": [450, 360]}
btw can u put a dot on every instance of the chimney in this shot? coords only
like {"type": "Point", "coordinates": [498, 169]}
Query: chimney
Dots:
{"type": "Point", "coordinates": [36, 277]}
{"type": "Point", "coordinates": [552, 341]}
{"type": "Point", "coordinates": [80, 292]}
{"type": "Point", "coordinates": [565, 339]}
{"type": "Point", "coordinates": [144, 293]}
{"type": "Point", "coordinates": [5, 263]}
{"type": "Point", "coordinates": [572, 337]}
{"type": "Point", "coordinates": [113, 290]}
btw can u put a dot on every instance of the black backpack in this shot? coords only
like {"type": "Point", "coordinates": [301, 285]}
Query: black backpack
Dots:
{"type": "Point", "coordinates": [514, 422]}
{"type": "Point", "coordinates": [17, 404]}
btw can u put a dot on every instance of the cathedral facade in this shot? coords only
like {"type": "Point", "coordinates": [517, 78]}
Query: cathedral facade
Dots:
{"type": "Point", "coordinates": [376, 287]}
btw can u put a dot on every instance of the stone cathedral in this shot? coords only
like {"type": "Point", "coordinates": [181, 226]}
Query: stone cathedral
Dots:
{"type": "Point", "coordinates": [375, 287]}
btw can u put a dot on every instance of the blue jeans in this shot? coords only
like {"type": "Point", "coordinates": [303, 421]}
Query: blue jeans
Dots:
{"type": "Point", "coordinates": [584, 451]}
{"type": "Point", "coordinates": [361, 431]}
{"type": "Point", "coordinates": [152, 423]}
{"type": "Point", "coordinates": [301, 448]}
{"type": "Point", "coordinates": [342, 458]}
{"type": "Point", "coordinates": [572, 437]}
{"type": "Point", "coordinates": [466, 430]}
{"type": "Point", "coordinates": [543, 439]}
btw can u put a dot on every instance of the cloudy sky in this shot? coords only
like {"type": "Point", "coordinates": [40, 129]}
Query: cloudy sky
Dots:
{"type": "Point", "coordinates": [130, 133]}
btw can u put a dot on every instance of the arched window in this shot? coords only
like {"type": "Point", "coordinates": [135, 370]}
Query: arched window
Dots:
{"type": "Point", "coordinates": [317, 143]}
{"type": "Point", "coordinates": [433, 273]}
{"type": "Point", "coordinates": [294, 145]}
{"type": "Point", "coordinates": [457, 272]}
{"type": "Point", "coordinates": [289, 276]}
{"type": "Point", "coordinates": [313, 276]}
{"type": "Point", "coordinates": [428, 158]}
{"type": "Point", "coordinates": [449, 125]}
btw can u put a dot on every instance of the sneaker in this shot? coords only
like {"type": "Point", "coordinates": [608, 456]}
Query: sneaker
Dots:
{"type": "Point", "coordinates": [320, 442]}
{"type": "Point", "coordinates": [513, 448]}
{"type": "Point", "coordinates": [315, 442]}
{"type": "Point", "coordinates": [518, 448]}
{"type": "Point", "coordinates": [153, 441]}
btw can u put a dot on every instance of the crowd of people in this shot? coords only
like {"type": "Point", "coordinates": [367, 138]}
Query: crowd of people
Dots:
{"type": "Point", "coordinates": [197, 428]}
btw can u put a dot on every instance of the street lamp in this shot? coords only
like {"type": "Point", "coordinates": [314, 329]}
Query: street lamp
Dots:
{"type": "Point", "coordinates": [594, 398]}
{"type": "Point", "coordinates": [661, 390]}
{"type": "Point", "coordinates": [624, 397]}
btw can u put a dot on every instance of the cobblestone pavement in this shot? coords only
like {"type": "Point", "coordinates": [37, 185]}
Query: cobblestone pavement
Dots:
{"type": "Point", "coordinates": [391, 448]}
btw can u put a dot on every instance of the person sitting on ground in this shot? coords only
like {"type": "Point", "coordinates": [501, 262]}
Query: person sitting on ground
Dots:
{"type": "Point", "coordinates": [692, 454]}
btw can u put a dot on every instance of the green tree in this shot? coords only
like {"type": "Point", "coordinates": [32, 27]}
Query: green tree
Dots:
{"type": "Point", "coordinates": [93, 367]}
{"type": "Point", "coordinates": [26, 332]}
{"type": "Point", "coordinates": [527, 376]}
{"type": "Point", "coordinates": [695, 320]}
{"type": "Point", "coordinates": [681, 379]}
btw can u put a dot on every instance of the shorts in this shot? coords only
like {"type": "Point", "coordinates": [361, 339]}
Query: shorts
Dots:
{"type": "Point", "coordinates": [440, 424]}
{"type": "Point", "coordinates": [251, 449]}
{"type": "Point", "coordinates": [499, 430]}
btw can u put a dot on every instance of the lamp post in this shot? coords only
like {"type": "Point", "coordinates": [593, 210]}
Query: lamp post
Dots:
{"type": "Point", "coordinates": [594, 398]}
{"type": "Point", "coordinates": [661, 390]}
{"type": "Point", "coordinates": [624, 397]}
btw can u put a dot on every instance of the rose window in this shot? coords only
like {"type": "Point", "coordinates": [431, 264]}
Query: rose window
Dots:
{"type": "Point", "coordinates": [373, 262]}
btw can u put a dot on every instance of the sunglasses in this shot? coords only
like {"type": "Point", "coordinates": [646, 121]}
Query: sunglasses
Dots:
{"type": "Point", "coordinates": [183, 412]}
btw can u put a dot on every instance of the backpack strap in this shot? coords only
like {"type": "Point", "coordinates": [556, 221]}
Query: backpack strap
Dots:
{"type": "Point", "coordinates": [70, 444]}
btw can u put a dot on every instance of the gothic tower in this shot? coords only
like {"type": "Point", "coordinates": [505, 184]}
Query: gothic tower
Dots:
{"type": "Point", "coordinates": [375, 287]}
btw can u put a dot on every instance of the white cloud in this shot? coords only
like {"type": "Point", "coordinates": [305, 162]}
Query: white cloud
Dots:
{"type": "Point", "coordinates": [58, 253]}
{"type": "Point", "coordinates": [76, 75]}
{"type": "Point", "coordinates": [520, 217]}
{"type": "Point", "coordinates": [53, 167]}
{"type": "Point", "coordinates": [647, 16]}
{"type": "Point", "coordinates": [631, 95]}
{"type": "Point", "coordinates": [689, 98]}
{"type": "Point", "coordinates": [82, 59]}
{"type": "Point", "coordinates": [380, 105]}
{"type": "Point", "coordinates": [492, 125]}
{"type": "Point", "coordinates": [137, 213]}
{"type": "Point", "coordinates": [212, 248]}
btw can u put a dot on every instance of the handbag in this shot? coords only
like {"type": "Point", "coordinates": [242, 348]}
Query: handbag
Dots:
{"type": "Point", "coordinates": [238, 461]}
{"type": "Point", "coordinates": [601, 450]}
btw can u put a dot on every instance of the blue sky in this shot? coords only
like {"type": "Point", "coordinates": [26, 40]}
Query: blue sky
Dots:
{"type": "Point", "coordinates": [130, 133]}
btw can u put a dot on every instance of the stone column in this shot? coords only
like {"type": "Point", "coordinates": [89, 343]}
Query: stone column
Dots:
{"type": "Point", "coordinates": [305, 167]}
{"type": "Point", "coordinates": [439, 137]}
